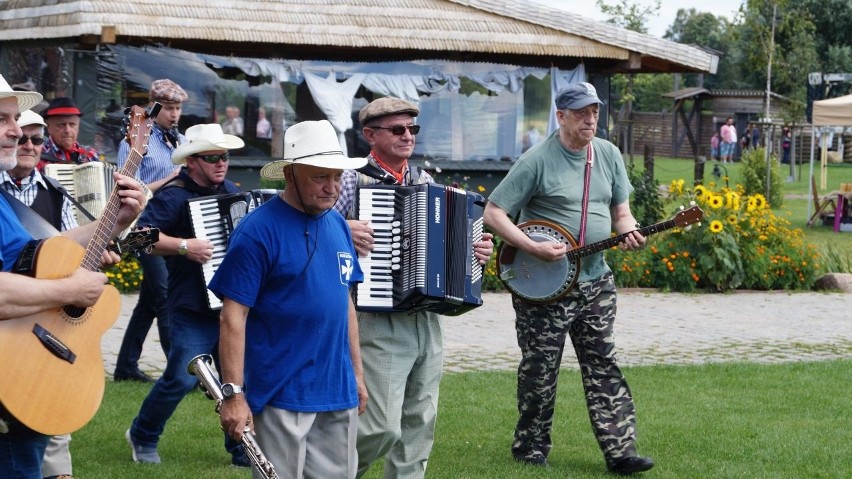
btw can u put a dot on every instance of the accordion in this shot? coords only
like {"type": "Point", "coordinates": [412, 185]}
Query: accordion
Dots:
{"type": "Point", "coordinates": [89, 183]}
{"type": "Point", "coordinates": [214, 218]}
{"type": "Point", "coordinates": [423, 253]}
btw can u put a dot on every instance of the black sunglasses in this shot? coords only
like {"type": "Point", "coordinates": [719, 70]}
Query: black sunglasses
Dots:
{"type": "Point", "coordinates": [37, 140]}
{"type": "Point", "coordinates": [213, 158]}
{"type": "Point", "coordinates": [399, 130]}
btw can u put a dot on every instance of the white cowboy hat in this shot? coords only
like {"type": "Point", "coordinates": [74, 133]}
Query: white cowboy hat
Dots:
{"type": "Point", "coordinates": [205, 138]}
{"type": "Point", "coordinates": [26, 99]}
{"type": "Point", "coordinates": [30, 117]}
{"type": "Point", "coordinates": [311, 143]}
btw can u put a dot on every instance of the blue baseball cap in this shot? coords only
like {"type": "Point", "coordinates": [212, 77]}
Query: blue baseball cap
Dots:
{"type": "Point", "coordinates": [576, 96]}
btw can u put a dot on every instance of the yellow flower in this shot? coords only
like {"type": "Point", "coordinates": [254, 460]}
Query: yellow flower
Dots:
{"type": "Point", "coordinates": [732, 219]}
{"type": "Point", "coordinates": [481, 188]}
{"type": "Point", "coordinates": [715, 202]}
{"type": "Point", "coordinates": [760, 201]}
{"type": "Point", "coordinates": [716, 226]}
{"type": "Point", "coordinates": [700, 191]}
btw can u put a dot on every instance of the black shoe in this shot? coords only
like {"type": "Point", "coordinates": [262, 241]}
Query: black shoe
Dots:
{"type": "Point", "coordinates": [533, 459]}
{"type": "Point", "coordinates": [133, 376]}
{"type": "Point", "coordinates": [631, 465]}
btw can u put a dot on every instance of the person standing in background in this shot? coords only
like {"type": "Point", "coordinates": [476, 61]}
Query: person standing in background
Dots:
{"type": "Point", "coordinates": [233, 124]}
{"type": "Point", "coordinates": [63, 127]}
{"type": "Point", "coordinates": [155, 170]}
{"type": "Point", "coordinates": [714, 146]}
{"type": "Point", "coordinates": [728, 132]}
{"type": "Point", "coordinates": [264, 128]}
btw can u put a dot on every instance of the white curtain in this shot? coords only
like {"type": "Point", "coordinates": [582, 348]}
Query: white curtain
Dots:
{"type": "Point", "coordinates": [335, 100]}
{"type": "Point", "coordinates": [560, 79]}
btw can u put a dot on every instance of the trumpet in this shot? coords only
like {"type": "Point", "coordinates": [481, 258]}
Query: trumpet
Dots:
{"type": "Point", "coordinates": [199, 366]}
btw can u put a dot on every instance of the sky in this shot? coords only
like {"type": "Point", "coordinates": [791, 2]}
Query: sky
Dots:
{"type": "Point", "coordinates": [656, 26]}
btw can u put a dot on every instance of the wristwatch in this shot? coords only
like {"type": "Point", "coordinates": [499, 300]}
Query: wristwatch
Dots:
{"type": "Point", "coordinates": [182, 249]}
{"type": "Point", "coordinates": [230, 390]}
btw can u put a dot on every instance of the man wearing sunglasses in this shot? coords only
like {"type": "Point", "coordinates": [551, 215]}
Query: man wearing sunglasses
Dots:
{"type": "Point", "coordinates": [194, 326]}
{"type": "Point", "coordinates": [399, 422]}
{"type": "Point", "coordinates": [26, 183]}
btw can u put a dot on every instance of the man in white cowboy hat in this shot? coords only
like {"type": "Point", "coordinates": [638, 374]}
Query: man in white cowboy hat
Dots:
{"type": "Point", "coordinates": [82, 288]}
{"type": "Point", "coordinates": [42, 194]}
{"type": "Point", "coordinates": [194, 326]}
{"type": "Point", "coordinates": [289, 334]}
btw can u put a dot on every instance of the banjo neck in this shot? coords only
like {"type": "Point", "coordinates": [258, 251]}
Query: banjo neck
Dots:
{"type": "Point", "coordinates": [599, 246]}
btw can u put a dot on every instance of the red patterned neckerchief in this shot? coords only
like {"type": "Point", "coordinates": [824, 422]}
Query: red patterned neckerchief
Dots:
{"type": "Point", "coordinates": [397, 175]}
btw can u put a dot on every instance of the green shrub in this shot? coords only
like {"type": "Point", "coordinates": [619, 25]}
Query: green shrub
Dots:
{"type": "Point", "coordinates": [126, 276]}
{"type": "Point", "coordinates": [754, 176]}
{"type": "Point", "coordinates": [739, 244]}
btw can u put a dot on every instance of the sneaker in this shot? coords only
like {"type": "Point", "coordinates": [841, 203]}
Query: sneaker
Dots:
{"type": "Point", "coordinates": [142, 454]}
{"type": "Point", "coordinates": [534, 458]}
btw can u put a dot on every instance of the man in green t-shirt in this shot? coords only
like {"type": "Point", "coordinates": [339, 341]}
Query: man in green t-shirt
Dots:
{"type": "Point", "coordinates": [548, 183]}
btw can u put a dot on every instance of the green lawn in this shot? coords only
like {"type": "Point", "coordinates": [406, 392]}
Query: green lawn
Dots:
{"type": "Point", "coordinates": [730, 420]}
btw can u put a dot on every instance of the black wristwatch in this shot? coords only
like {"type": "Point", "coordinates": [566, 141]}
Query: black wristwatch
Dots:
{"type": "Point", "coordinates": [230, 390]}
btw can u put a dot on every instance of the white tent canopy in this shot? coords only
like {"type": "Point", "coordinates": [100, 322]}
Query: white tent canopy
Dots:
{"type": "Point", "coordinates": [831, 112]}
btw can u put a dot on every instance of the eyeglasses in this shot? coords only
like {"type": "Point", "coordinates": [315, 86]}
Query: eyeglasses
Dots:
{"type": "Point", "coordinates": [399, 130]}
{"type": "Point", "coordinates": [212, 159]}
{"type": "Point", "coordinates": [37, 140]}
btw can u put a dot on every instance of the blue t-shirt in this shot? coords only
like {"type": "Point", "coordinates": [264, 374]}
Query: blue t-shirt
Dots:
{"type": "Point", "coordinates": [13, 236]}
{"type": "Point", "coordinates": [294, 271]}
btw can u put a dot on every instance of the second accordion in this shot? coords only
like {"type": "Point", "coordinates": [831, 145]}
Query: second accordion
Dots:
{"type": "Point", "coordinates": [423, 251]}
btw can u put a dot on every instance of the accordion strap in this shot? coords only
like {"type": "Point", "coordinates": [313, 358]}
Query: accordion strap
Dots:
{"type": "Point", "coordinates": [54, 183]}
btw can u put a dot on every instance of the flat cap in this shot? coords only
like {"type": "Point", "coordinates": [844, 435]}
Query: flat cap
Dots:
{"type": "Point", "coordinates": [167, 91]}
{"type": "Point", "coordinates": [576, 96]}
{"type": "Point", "coordinates": [386, 106]}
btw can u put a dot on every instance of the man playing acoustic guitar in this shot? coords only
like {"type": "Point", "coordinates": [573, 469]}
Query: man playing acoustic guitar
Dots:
{"type": "Point", "coordinates": [21, 448]}
{"type": "Point", "coordinates": [548, 183]}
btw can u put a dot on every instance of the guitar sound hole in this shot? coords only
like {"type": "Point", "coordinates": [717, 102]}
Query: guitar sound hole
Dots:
{"type": "Point", "coordinates": [74, 312]}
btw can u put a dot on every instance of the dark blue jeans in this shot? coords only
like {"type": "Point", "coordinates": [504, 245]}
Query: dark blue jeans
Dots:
{"type": "Point", "coordinates": [151, 304]}
{"type": "Point", "coordinates": [21, 452]}
{"type": "Point", "coordinates": [192, 334]}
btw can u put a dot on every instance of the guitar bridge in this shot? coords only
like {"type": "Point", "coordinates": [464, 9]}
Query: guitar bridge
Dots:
{"type": "Point", "coordinates": [53, 344]}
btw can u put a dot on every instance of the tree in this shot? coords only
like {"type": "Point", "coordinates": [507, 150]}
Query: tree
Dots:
{"type": "Point", "coordinates": [704, 29]}
{"type": "Point", "coordinates": [628, 15]}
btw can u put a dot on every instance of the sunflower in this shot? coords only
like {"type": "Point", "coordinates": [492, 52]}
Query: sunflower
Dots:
{"type": "Point", "coordinates": [700, 191]}
{"type": "Point", "coordinates": [732, 219]}
{"type": "Point", "coordinates": [716, 226]}
{"type": "Point", "coordinates": [716, 202]}
{"type": "Point", "coordinates": [760, 201]}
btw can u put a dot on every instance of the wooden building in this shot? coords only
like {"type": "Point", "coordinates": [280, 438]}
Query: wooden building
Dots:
{"type": "Point", "coordinates": [483, 72]}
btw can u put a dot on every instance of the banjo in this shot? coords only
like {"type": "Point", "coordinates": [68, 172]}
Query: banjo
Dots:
{"type": "Point", "coordinates": [538, 281]}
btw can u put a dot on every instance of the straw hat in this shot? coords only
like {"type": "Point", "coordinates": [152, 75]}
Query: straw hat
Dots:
{"type": "Point", "coordinates": [26, 99]}
{"type": "Point", "coordinates": [311, 143]}
{"type": "Point", "coordinates": [205, 138]}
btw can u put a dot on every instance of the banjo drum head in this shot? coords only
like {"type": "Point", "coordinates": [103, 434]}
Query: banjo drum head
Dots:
{"type": "Point", "coordinates": [533, 279]}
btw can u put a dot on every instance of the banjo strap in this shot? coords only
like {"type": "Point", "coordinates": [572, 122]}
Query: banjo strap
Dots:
{"type": "Point", "coordinates": [585, 213]}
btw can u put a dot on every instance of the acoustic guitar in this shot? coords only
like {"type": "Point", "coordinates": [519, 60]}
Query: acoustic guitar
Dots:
{"type": "Point", "coordinates": [543, 282]}
{"type": "Point", "coordinates": [52, 374]}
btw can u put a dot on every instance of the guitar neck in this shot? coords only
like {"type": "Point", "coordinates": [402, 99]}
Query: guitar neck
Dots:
{"type": "Point", "coordinates": [615, 240]}
{"type": "Point", "coordinates": [106, 224]}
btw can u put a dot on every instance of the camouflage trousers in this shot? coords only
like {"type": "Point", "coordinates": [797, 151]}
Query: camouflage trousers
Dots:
{"type": "Point", "coordinates": [586, 315]}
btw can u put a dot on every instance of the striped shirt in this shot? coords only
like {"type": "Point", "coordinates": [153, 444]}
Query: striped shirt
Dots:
{"type": "Point", "coordinates": [157, 162]}
{"type": "Point", "coordinates": [28, 191]}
